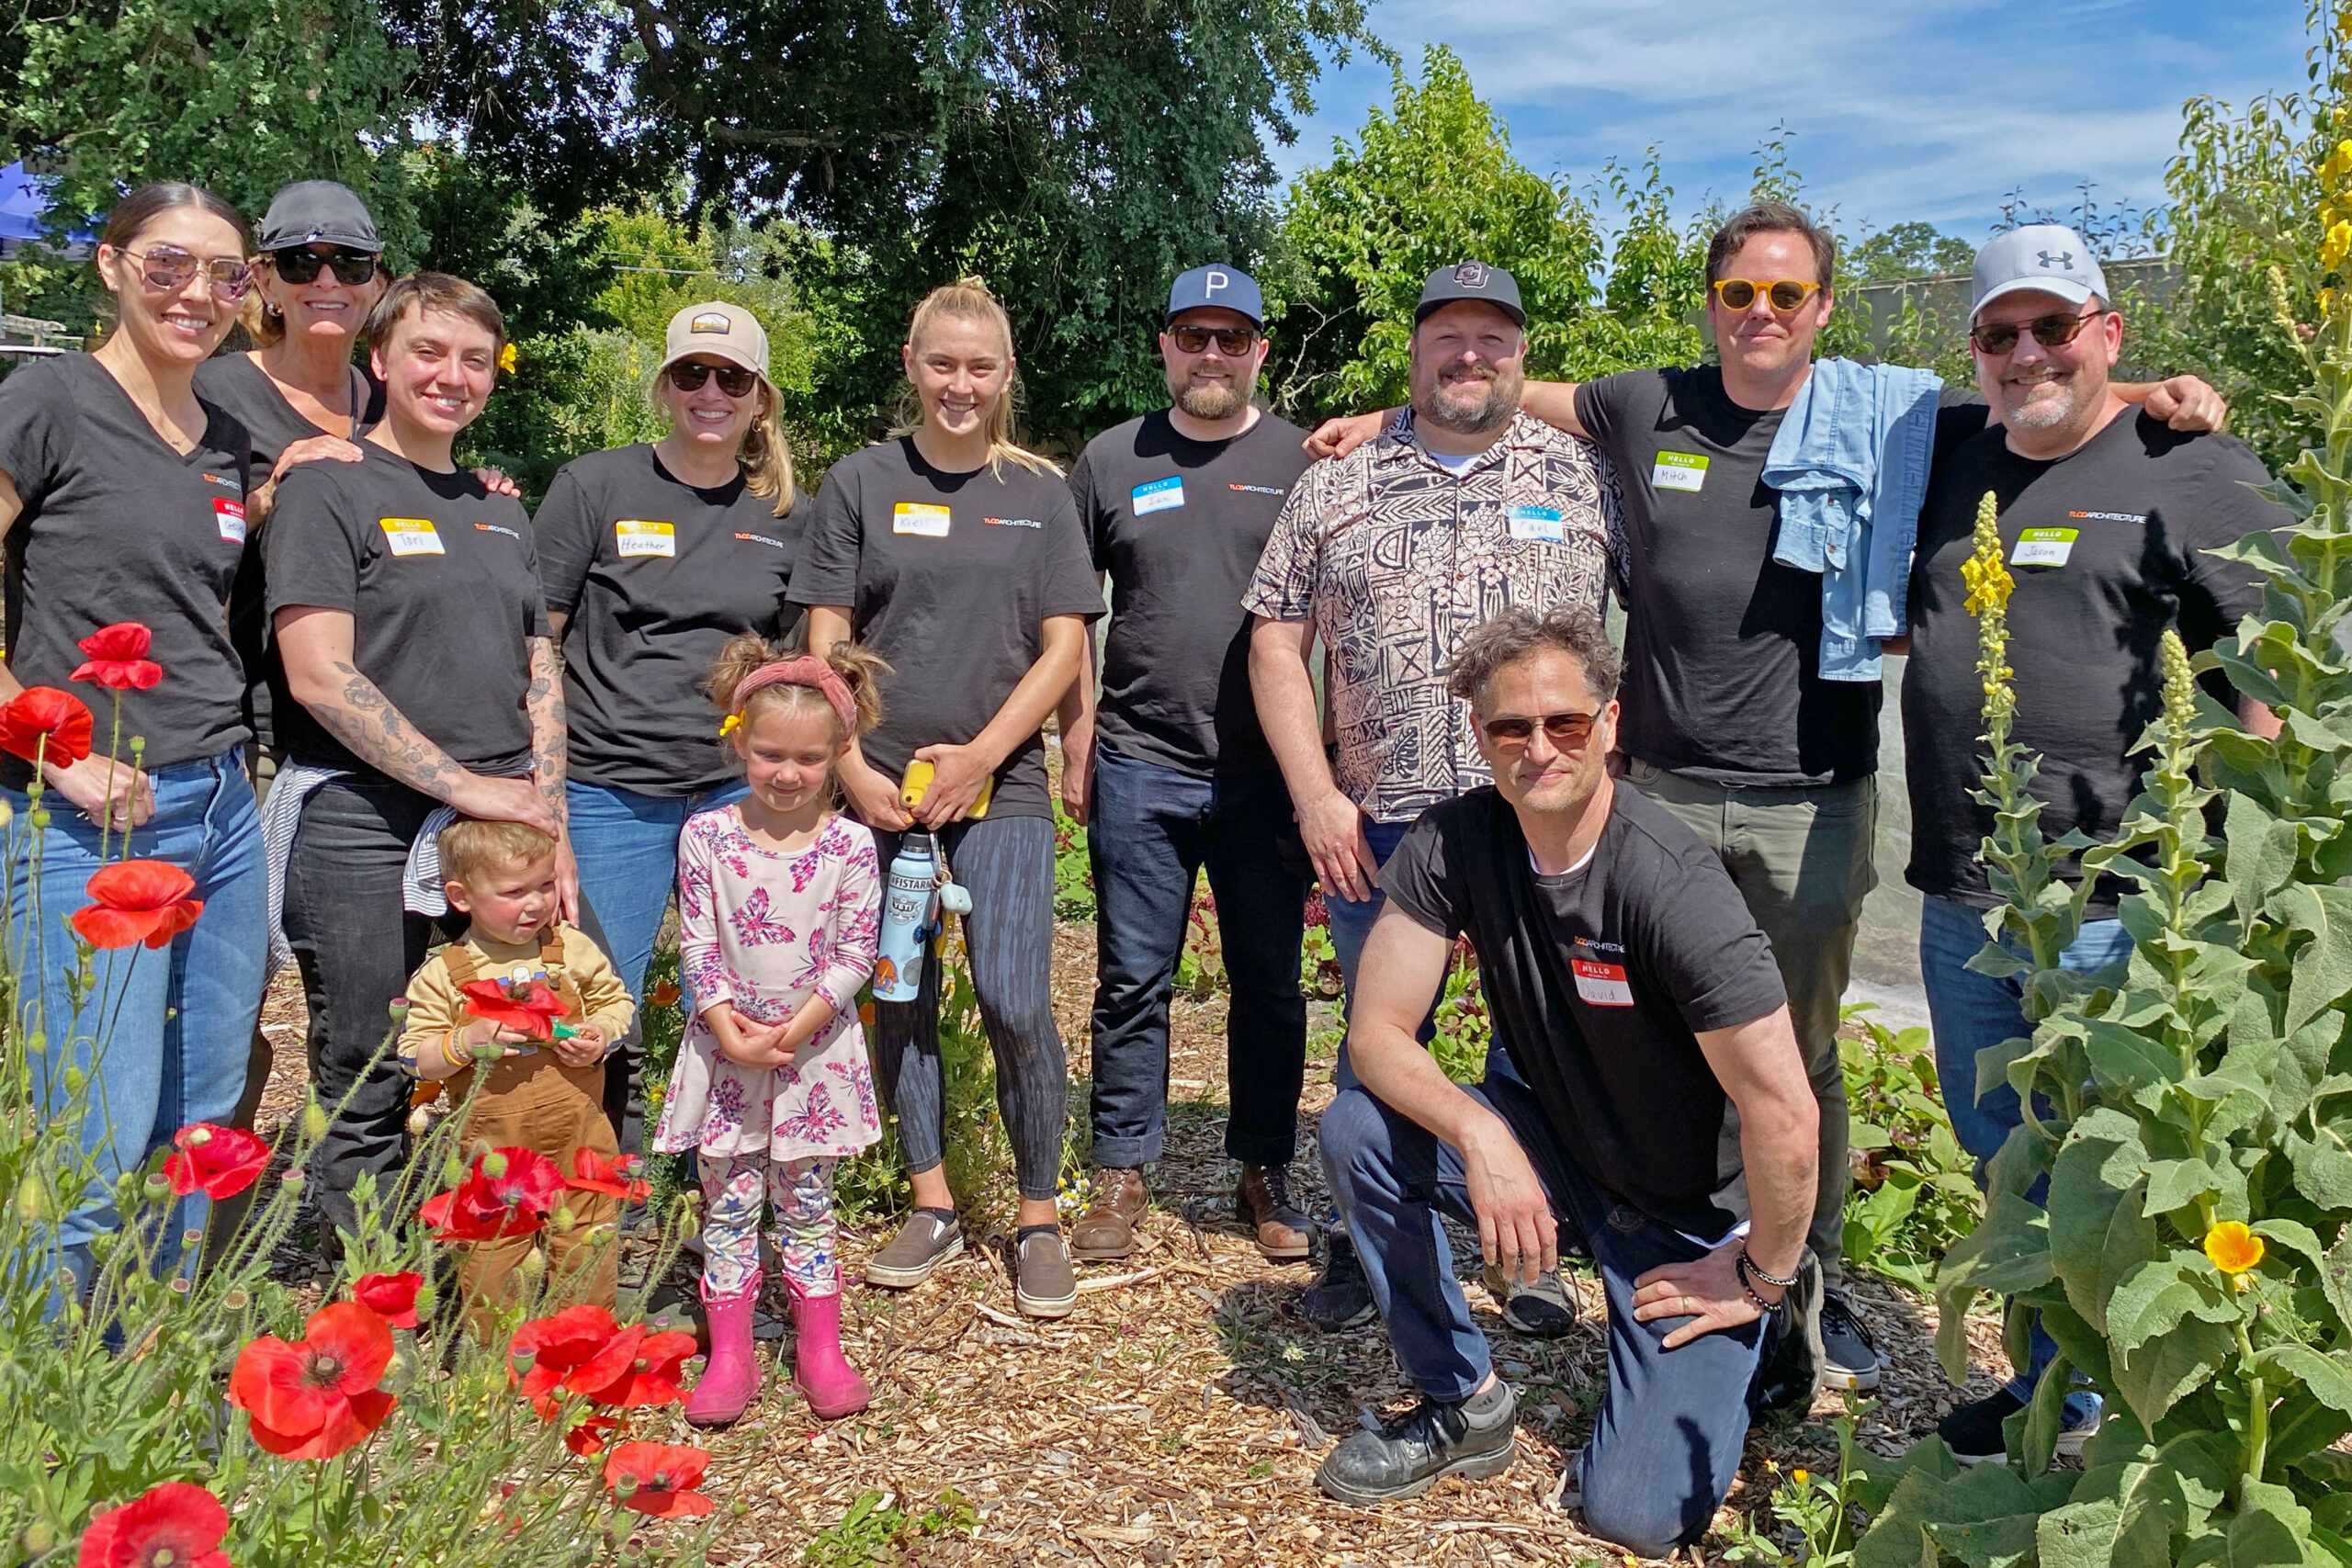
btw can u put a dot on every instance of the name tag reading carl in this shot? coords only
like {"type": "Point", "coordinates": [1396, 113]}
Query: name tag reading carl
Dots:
{"type": "Point", "coordinates": [2044, 547]}
{"type": "Point", "coordinates": [1539, 523]}
{"type": "Point", "coordinates": [1602, 985]}
{"type": "Point", "coordinates": [411, 536]}
{"type": "Point", "coordinates": [1679, 470]}
{"type": "Point", "coordinates": [1160, 495]}
{"type": "Point", "coordinates": [912, 517]}
{"type": "Point", "coordinates": [635, 536]}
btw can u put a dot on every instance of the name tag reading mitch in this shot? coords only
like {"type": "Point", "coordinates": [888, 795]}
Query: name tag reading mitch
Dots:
{"type": "Point", "coordinates": [1539, 523]}
{"type": "Point", "coordinates": [1602, 985]}
{"type": "Point", "coordinates": [1160, 495]}
{"type": "Point", "coordinates": [635, 536]}
{"type": "Point", "coordinates": [411, 536]}
{"type": "Point", "coordinates": [1679, 470]}
{"type": "Point", "coordinates": [912, 517]}
{"type": "Point", "coordinates": [2044, 547]}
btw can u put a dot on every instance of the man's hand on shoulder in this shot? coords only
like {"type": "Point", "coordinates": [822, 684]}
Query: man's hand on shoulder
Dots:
{"type": "Point", "coordinates": [2188, 403]}
{"type": "Point", "coordinates": [1338, 438]}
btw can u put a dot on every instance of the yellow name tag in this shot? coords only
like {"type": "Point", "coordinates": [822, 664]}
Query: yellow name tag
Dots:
{"type": "Point", "coordinates": [912, 517]}
{"type": "Point", "coordinates": [411, 536]}
{"type": "Point", "coordinates": [635, 536]}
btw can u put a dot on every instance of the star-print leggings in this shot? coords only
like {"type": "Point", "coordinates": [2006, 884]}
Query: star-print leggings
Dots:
{"type": "Point", "coordinates": [733, 1191]}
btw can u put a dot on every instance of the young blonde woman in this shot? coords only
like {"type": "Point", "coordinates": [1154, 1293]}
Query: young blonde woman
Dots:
{"type": "Point", "coordinates": [955, 555]}
{"type": "Point", "coordinates": [654, 556]}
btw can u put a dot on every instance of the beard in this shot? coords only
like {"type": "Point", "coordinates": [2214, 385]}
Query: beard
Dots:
{"type": "Point", "coordinates": [1206, 402]}
{"type": "Point", "coordinates": [2022, 410]}
{"type": "Point", "coordinates": [1471, 405]}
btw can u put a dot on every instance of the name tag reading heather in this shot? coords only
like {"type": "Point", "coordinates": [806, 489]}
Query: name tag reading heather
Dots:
{"type": "Point", "coordinates": [1538, 522]}
{"type": "Point", "coordinates": [1602, 985]}
{"type": "Point", "coordinates": [1679, 470]}
{"type": "Point", "coordinates": [635, 536]}
{"type": "Point", "coordinates": [2044, 547]}
{"type": "Point", "coordinates": [411, 536]}
{"type": "Point", "coordinates": [1160, 495]}
{"type": "Point", "coordinates": [912, 517]}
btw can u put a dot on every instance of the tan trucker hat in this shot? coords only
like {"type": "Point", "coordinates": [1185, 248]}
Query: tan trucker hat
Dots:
{"type": "Point", "coordinates": [726, 332]}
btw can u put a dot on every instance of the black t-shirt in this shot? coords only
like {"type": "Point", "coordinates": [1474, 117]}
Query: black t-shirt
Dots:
{"type": "Point", "coordinates": [1180, 525]}
{"type": "Point", "coordinates": [653, 576]}
{"type": "Point", "coordinates": [1599, 981]}
{"type": "Point", "coordinates": [950, 577]}
{"type": "Point", "coordinates": [119, 526]}
{"type": "Point", "coordinates": [2105, 549]}
{"type": "Point", "coordinates": [442, 581]}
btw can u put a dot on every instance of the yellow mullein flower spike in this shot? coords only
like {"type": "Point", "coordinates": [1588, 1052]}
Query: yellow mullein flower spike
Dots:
{"type": "Point", "coordinates": [2336, 246]}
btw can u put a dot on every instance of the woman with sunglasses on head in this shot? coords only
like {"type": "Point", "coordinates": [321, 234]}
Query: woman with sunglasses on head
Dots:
{"type": "Point", "coordinates": [653, 556]}
{"type": "Point", "coordinates": [956, 556]}
{"type": "Point", "coordinates": [122, 496]}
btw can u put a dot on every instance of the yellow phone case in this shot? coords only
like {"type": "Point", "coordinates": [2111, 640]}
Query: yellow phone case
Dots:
{"type": "Point", "coordinates": [917, 784]}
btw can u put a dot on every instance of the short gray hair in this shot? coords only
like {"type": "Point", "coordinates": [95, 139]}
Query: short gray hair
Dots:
{"type": "Point", "coordinates": [1511, 634]}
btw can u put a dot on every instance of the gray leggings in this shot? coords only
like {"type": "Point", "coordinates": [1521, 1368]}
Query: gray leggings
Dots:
{"type": "Point", "coordinates": [1008, 863]}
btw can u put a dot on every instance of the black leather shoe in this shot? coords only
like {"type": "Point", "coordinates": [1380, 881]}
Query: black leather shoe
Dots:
{"type": "Point", "coordinates": [1342, 1297]}
{"type": "Point", "coordinates": [1431, 1442]}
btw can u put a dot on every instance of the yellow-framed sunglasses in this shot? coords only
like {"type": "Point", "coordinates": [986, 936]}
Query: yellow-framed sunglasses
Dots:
{"type": "Point", "coordinates": [1787, 294]}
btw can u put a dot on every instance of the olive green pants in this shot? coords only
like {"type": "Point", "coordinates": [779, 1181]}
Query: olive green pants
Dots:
{"type": "Point", "coordinates": [1801, 859]}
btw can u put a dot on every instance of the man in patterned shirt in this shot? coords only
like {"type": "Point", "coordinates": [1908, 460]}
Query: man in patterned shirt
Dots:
{"type": "Point", "coordinates": [1462, 507]}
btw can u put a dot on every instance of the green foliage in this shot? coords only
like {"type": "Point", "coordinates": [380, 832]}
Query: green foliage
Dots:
{"type": "Point", "coordinates": [1073, 871]}
{"type": "Point", "coordinates": [879, 1533]}
{"type": "Point", "coordinates": [1909, 249]}
{"type": "Point", "coordinates": [1916, 1194]}
{"type": "Point", "coordinates": [1813, 1513]}
{"type": "Point", "coordinates": [1465, 1031]}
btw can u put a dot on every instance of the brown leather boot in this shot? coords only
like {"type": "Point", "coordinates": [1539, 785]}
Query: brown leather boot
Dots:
{"type": "Point", "coordinates": [1107, 1230]}
{"type": "Point", "coordinates": [1261, 1199]}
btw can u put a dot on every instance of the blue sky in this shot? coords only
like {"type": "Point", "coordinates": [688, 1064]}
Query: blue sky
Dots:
{"type": "Point", "coordinates": [1901, 109]}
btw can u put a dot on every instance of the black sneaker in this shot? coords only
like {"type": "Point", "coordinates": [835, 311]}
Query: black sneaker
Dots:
{"type": "Point", "coordinates": [1428, 1442]}
{"type": "Point", "coordinates": [1848, 1354]}
{"type": "Point", "coordinates": [1973, 1432]}
{"type": "Point", "coordinates": [1545, 1310]}
{"type": "Point", "coordinates": [1790, 1374]}
{"type": "Point", "coordinates": [1341, 1297]}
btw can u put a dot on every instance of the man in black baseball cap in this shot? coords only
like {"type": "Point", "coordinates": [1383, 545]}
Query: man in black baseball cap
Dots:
{"type": "Point", "coordinates": [1472, 280]}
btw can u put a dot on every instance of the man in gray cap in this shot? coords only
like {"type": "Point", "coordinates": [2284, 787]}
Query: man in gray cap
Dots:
{"type": "Point", "coordinates": [1461, 507]}
{"type": "Point", "coordinates": [2108, 519]}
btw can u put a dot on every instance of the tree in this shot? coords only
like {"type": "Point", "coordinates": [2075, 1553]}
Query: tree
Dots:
{"type": "Point", "coordinates": [1906, 250]}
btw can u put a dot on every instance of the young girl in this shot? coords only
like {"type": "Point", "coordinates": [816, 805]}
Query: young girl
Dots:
{"type": "Point", "coordinates": [780, 904]}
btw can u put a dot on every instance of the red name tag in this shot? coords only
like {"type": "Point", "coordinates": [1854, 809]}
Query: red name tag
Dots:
{"type": "Point", "coordinates": [1602, 985]}
{"type": "Point", "coordinates": [229, 516]}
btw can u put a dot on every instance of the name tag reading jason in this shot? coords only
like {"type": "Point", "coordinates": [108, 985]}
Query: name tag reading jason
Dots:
{"type": "Point", "coordinates": [912, 517]}
{"type": "Point", "coordinates": [1679, 470]}
{"type": "Point", "coordinates": [1539, 523]}
{"type": "Point", "coordinates": [229, 516]}
{"type": "Point", "coordinates": [1602, 985]}
{"type": "Point", "coordinates": [635, 536]}
{"type": "Point", "coordinates": [2044, 547]}
{"type": "Point", "coordinates": [411, 536]}
{"type": "Point", "coordinates": [1160, 495]}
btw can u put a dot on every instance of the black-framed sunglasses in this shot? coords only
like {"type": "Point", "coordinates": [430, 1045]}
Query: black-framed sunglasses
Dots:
{"type": "Point", "coordinates": [299, 264]}
{"type": "Point", "coordinates": [688, 376]}
{"type": "Point", "coordinates": [168, 267]}
{"type": "Point", "coordinates": [2049, 331]}
{"type": "Point", "coordinates": [1232, 342]}
{"type": "Point", "coordinates": [1567, 731]}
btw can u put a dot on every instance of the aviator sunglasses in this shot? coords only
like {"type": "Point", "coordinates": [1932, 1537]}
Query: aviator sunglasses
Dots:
{"type": "Point", "coordinates": [1566, 730]}
{"type": "Point", "coordinates": [1786, 294]}
{"type": "Point", "coordinates": [299, 264]}
{"type": "Point", "coordinates": [2049, 331]}
{"type": "Point", "coordinates": [168, 267]}
{"type": "Point", "coordinates": [688, 376]}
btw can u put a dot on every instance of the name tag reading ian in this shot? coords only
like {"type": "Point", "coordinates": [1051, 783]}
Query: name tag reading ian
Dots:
{"type": "Point", "coordinates": [1160, 495]}
{"type": "Point", "coordinates": [1679, 470]}
{"type": "Point", "coordinates": [635, 536]}
{"type": "Point", "coordinates": [1602, 985]}
{"type": "Point", "coordinates": [2044, 547]}
{"type": "Point", "coordinates": [1539, 523]}
{"type": "Point", "coordinates": [411, 536]}
{"type": "Point", "coordinates": [913, 517]}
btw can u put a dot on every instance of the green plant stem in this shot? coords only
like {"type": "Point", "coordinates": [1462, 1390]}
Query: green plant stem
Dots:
{"type": "Point", "coordinates": [2258, 1416]}
{"type": "Point", "coordinates": [106, 813]}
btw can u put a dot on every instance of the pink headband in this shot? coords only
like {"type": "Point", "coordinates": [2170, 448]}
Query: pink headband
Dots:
{"type": "Point", "coordinates": [806, 670]}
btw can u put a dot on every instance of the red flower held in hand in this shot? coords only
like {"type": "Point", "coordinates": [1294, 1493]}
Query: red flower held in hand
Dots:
{"type": "Point", "coordinates": [174, 1523]}
{"type": "Point", "coordinates": [392, 1297]}
{"type": "Point", "coordinates": [591, 1172]}
{"type": "Point", "coordinates": [659, 1480]}
{"type": "Point", "coordinates": [509, 1192]}
{"type": "Point", "coordinates": [316, 1398]}
{"type": "Point", "coordinates": [43, 723]}
{"type": "Point", "coordinates": [118, 658]}
{"type": "Point", "coordinates": [637, 1367]}
{"type": "Point", "coordinates": [138, 901]}
{"type": "Point", "coordinates": [531, 1008]}
{"type": "Point", "coordinates": [223, 1161]}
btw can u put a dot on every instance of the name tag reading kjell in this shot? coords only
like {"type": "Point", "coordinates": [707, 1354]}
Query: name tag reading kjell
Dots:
{"type": "Point", "coordinates": [913, 517]}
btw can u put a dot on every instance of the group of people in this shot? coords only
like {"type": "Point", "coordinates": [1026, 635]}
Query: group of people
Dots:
{"type": "Point", "coordinates": [497, 745]}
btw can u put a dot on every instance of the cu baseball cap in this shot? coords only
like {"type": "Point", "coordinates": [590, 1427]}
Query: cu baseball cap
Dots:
{"type": "Point", "coordinates": [723, 331]}
{"type": "Point", "coordinates": [1218, 286]}
{"type": "Point", "coordinates": [2047, 257]}
{"type": "Point", "coordinates": [310, 211]}
{"type": "Point", "coordinates": [1471, 280]}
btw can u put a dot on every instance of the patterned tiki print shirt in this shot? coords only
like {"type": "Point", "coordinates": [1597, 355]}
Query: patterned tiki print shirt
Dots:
{"type": "Point", "coordinates": [1394, 559]}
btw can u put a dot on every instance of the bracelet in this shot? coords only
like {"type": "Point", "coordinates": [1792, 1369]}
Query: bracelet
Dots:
{"type": "Point", "coordinates": [459, 1064]}
{"type": "Point", "coordinates": [1745, 1268]}
{"type": "Point", "coordinates": [1749, 1264]}
{"type": "Point", "coordinates": [1767, 1308]}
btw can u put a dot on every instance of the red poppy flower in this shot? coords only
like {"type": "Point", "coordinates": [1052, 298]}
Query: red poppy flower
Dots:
{"type": "Point", "coordinates": [530, 1006]}
{"type": "Point", "coordinates": [507, 1193]}
{"type": "Point", "coordinates": [39, 715]}
{"type": "Point", "coordinates": [138, 901]}
{"type": "Point", "coordinates": [591, 1172]}
{"type": "Point", "coordinates": [392, 1297]}
{"type": "Point", "coordinates": [223, 1161]}
{"type": "Point", "coordinates": [586, 1436]}
{"type": "Point", "coordinates": [656, 1479]}
{"type": "Point", "coordinates": [637, 1367]}
{"type": "Point", "coordinates": [118, 658]}
{"type": "Point", "coordinates": [173, 1523]}
{"type": "Point", "coordinates": [317, 1397]}
{"type": "Point", "coordinates": [558, 1345]}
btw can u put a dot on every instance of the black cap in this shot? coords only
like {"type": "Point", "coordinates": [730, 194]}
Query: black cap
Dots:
{"type": "Point", "coordinates": [1471, 280]}
{"type": "Point", "coordinates": [315, 211]}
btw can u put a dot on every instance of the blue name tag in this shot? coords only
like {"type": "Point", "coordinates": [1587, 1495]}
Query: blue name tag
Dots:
{"type": "Point", "coordinates": [1160, 495]}
{"type": "Point", "coordinates": [1540, 523]}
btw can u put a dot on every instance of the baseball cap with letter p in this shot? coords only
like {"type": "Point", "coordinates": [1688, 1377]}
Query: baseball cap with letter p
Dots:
{"type": "Point", "coordinates": [1220, 287]}
{"type": "Point", "coordinates": [2049, 258]}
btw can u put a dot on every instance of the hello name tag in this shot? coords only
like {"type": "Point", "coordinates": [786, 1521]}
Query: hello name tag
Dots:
{"type": "Point", "coordinates": [1160, 495]}
{"type": "Point", "coordinates": [411, 536]}
{"type": "Point", "coordinates": [2044, 547]}
{"type": "Point", "coordinates": [635, 536]}
{"type": "Point", "coordinates": [1679, 470]}
{"type": "Point", "coordinates": [1602, 985]}
{"type": "Point", "coordinates": [229, 516]}
{"type": "Point", "coordinates": [912, 517]}
{"type": "Point", "coordinates": [1539, 523]}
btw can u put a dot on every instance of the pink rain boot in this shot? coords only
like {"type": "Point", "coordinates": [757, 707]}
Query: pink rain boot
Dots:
{"type": "Point", "coordinates": [824, 1374]}
{"type": "Point", "coordinates": [730, 1378]}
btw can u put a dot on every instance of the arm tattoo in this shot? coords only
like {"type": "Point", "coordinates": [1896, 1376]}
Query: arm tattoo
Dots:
{"type": "Point", "coordinates": [543, 700]}
{"type": "Point", "coordinates": [379, 734]}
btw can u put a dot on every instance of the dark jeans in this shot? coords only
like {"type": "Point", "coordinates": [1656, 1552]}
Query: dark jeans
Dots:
{"type": "Point", "coordinates": [1667, 1443]}
{"type": "Point", "coordinates": [1150, 830]}
{"type": "Point", "coordinates": [1008, 863]}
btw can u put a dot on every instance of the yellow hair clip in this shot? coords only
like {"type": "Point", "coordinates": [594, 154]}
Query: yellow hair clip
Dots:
{"type": "Point", "coordinates": [730, 725]}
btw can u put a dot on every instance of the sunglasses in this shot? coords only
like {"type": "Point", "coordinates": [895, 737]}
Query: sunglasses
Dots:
{"type": "Point", "coordinates": [1786, 293]}
{"type": "Point", "coordinates": [1232, 342]}
{"type": "Point", "coordinates": [299, 264]}
{"type": "Point", "coordinates": [1568, 731]}
{"type": "Point", "coordinates": [168, 267]}
{"type": "Point", "coordinates": [688, 376]}
{"type": "Point", "coordinates": [2049, 331]}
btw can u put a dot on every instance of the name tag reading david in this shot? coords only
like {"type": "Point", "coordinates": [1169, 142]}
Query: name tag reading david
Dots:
{"type": "Point", "coordinates": [912, 517]}
{"type": "Point", "coordinates": [2044, 547]}
{"type": "Point", "coordinates": [1160, 495]}
{"type": "Point", "coordinates": [1539, 523]}
{"type": "Point", "coordinates": [1679, 470]}
{"type": "Point", "coordinates": [1602, 985]}
{"type": "Point", "coordinates": [635, 536]}
{"type": "Point", "coordinates": [411, 536]}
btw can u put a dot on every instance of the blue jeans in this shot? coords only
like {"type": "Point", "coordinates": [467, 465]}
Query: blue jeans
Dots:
{"type": "Point", "coordinates": [1150, 830]}
{"type": "Point", "coordinates": [1351, 926]}
{"type": "Point", "coordinates": [626, 847]}
{"type": "Point", "coordinates": [1666, 1445]}
{"type": "Point", "coordinates": [1970, 1013]}
{"type": "Point", "coordinates": [163, 1036]}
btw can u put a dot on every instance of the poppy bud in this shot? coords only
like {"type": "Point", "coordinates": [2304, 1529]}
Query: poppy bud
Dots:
{"type": "Point", "coordinates": [37, 1041]}
{"type": "Point", "coordinates": [562, 1220]}
{"type": "Point", "coordinates": [425, 1301]}
{"type": "Point", "coordinates": [40, 816]}
{"type": "Point", "coordinates": [487, 1051]}
{"type": "Point", "coordinates": [7, 814]}
{"type": "Point", "coordinates": [420, 1122]}
{"type": "Point", "coordinates": [533, 1264]}
{"type": "Point", "coordinates": [31, 1200]}
{"type": "Point", "coordinates": [314, 1120]}
{"type": "Point", "coordinates": [157, 1185]}
{"type": "Point", "coordinates": [399, 1011]}
{"type": "Point", "coordinates": [235, 1298]}
{"type": "Point", "coordinates": [294, 1179]}
{"type": "Point", "coordinates": [191, 1238]}
{"type": "Point", "coordinates": [37, 1536]}
{"type": "Point", "coordinates": [494, 1164]}
{"type": "Point", "coordinates": [453, 1170]}
{"type": "Point", "coordinates": [76, 1080]}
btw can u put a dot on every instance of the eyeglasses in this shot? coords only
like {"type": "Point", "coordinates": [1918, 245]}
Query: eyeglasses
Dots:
{"type": "Point", "coordinates": [1786, 293]}
{"type": "Point", "coordinates": [688, 376]}
{"type": "Point", "coordinates": [1568, 731]}
{"type": "Point", "coordinates": [168, 267]}
{"type": "Point", "coordinates": [299, 264]}
{"type": "Point", "coordinates": [2049, 331]}
{"type": "Point", "coordinates": [1232, 342]}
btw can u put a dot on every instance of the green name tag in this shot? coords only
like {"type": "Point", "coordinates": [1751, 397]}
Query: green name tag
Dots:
{"type": "Point", "coordinates": [2044, 547]}
{"type": "Point", "coordinates": [1679, 470]}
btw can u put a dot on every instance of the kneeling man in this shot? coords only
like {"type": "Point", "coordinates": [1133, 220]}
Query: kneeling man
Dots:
{"type": "Point", "coordinates": [1662, 1112]}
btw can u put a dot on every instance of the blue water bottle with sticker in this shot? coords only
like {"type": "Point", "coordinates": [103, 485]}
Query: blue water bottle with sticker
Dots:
{"type": "Point", "coordinates": [908, 902]}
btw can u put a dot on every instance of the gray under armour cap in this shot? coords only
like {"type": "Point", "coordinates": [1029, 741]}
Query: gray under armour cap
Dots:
{"type": "Point", "coordinates": [2048, 257]}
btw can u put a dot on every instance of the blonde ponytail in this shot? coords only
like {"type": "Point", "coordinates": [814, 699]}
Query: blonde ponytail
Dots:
{"type": "Point", "coordinates": [968, 300]}
{"type": "Point", "coordinates": [766, 457]}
